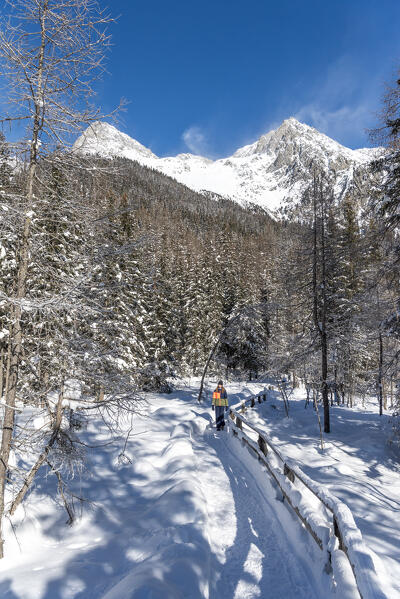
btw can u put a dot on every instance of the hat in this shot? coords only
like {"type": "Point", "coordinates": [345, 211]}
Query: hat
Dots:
{"type": "Point", "coordinates": [220, 383]}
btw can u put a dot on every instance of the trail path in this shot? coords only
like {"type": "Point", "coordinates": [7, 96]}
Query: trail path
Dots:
{"type": "Point", "coordinates": [253, 556]}
{"type": "Point", "coordinates": [187, 513]}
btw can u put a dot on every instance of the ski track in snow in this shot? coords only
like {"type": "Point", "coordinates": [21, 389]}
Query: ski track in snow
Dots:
{"type": "Point", "coordinates": [252, 556]}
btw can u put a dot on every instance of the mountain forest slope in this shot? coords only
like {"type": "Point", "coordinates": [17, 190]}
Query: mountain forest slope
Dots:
{"type": "Point", "coordinates": [156, 271]}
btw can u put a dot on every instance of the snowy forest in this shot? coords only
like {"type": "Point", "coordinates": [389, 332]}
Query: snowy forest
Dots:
{"type": "Point", "coordinates": [117, 280]}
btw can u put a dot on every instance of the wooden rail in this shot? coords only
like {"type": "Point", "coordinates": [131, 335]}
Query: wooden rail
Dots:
{"type": "Point", "coordinates": [341, 532]}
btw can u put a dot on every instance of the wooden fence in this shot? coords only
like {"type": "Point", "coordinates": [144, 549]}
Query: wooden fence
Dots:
{"type": "Point", "coordinates": [328, 520]}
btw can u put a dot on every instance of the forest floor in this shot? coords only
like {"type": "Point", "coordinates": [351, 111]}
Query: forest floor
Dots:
{"type": "Point", "coordinates": [187, 512]}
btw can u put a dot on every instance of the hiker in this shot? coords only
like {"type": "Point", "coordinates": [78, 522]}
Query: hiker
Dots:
{"type": "Point", "coordinates": [220, 405]}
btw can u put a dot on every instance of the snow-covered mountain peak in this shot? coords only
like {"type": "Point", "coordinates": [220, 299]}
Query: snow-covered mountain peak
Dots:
{"type": "Point", "coordinates": [189, 157]}
{"type": "Point", "coordinates": [275, 168]}
{"type": "Point", "coordinates": [290, 129]}
{"type": "Point", "coordinates": [106, 140]}
{"type": "Point", "coordinates": [293, 137]}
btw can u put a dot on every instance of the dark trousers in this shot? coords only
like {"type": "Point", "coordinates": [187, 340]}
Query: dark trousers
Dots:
{"type": "Point", "coordinates": [219, 417]}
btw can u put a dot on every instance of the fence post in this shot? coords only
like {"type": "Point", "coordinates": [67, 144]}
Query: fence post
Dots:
{"type": "Point", "coordinates": [259, 398]}
{"type": "Point", "coordinates": [337, 533]}
{"type": "Point", "coordinates": [252, 402]}
{"type": "Point", "coordinates": [288, 472]}
{"type": "Point", "coordinates": [262, 445]}
{"type": "Point", "coordinates": [264, 397]}
{"type": "Point", "coordinates": [238, 422]}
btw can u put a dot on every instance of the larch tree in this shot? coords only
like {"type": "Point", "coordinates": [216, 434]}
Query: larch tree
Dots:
{"type": "Point", "coordinates": [51, 52]}
{"type": "Point", "coordinates": [387, 211]}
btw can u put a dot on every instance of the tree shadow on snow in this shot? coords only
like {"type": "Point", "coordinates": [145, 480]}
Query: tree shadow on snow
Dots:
{"type": "Point", "coordinates": [363, 484]}
{"type": "Point", "coordinates": [255, 539]}
{"type": "Point", "coordinates": [143, 539]}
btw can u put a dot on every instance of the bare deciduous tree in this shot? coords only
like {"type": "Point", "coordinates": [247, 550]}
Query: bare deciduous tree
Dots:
{"type": "Point", "coordinates": [51, 52]}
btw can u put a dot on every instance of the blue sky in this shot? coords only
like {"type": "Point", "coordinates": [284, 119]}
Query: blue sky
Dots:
{"type": "Point", "coordinates": [214, 75]}
{"type": "Point", "coordinates": [211, 76]}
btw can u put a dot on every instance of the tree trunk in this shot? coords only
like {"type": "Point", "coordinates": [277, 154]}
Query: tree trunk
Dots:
{"type": "Point", "coordinates": [351, 391]}
{"type": "Point", "coordinates": [319, 425]}
{"type": "Point", "coordinates": [324, 338]}
{"type": "Point", "coordinates": [320, 303]}
{"type": "Point", "coordinates": [325, 393]}
{"type": "Point", "coordinates": [336, 391]}
{"type": "Point", "coordinates": [1, 371]}
{"type": "Point", "coordinates": [294, 380]}
{"type": "Point", "coordinates": [380, 375]}
{"type": "Point", "coordinates": [42, 457]}
{"type": "Point", "coordinates": [212, 352]}
{"type": "Point", "coordinates": [7, 369]}
{"type": "Point", "coordinates": [101, 393]}
{"type": "Point", "coordinates": [391, 392]}
{"type": "Point", "coordinates": [385, 395]}
{"type": "Point", "coordinates": [22, 273]}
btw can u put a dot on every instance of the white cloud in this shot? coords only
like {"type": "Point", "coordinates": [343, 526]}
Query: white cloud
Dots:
{"type": "Point", "coordinates": [195, 140]}
{"type": "Point", "coordinates": [343, 124]}
{"type": "Point", "coordinates": [343, 104]}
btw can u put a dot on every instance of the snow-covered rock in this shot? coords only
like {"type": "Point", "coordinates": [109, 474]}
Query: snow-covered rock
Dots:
{"type": "Point", "coordinates": [275, 168]}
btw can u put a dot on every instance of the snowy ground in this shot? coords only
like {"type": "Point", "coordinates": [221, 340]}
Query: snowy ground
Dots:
{"type": "Point", "coordinates": [356, 466]}
{"type": "Point", "coordinates": [193, 516]}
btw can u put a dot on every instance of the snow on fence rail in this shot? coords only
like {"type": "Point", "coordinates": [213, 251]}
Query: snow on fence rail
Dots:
{"type": "Point", "coordinates": [328, 520]}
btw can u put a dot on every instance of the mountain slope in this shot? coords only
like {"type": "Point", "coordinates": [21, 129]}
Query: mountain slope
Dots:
{"type": "Point", "coordinates": [274, 169]}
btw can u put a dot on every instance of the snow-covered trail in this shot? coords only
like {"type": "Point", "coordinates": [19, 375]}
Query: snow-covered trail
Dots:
{"type": "Point", "coordinates": [186, 514]}
{"type": "Point", "coordinates": [357, 466]}
{"type": "Point", "coordinates": [253, 556]}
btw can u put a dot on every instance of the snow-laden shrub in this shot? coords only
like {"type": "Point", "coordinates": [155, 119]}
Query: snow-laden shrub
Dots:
{"type": "Point", "coordinates": [154, 377]}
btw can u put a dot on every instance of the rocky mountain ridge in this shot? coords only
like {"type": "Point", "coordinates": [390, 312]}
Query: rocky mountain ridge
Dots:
{"type": "Point", "coordinates": [271, 171]}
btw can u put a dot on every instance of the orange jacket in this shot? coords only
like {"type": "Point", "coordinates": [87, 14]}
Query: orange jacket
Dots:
{"type": "Point", "coordinates": [220, 397]}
